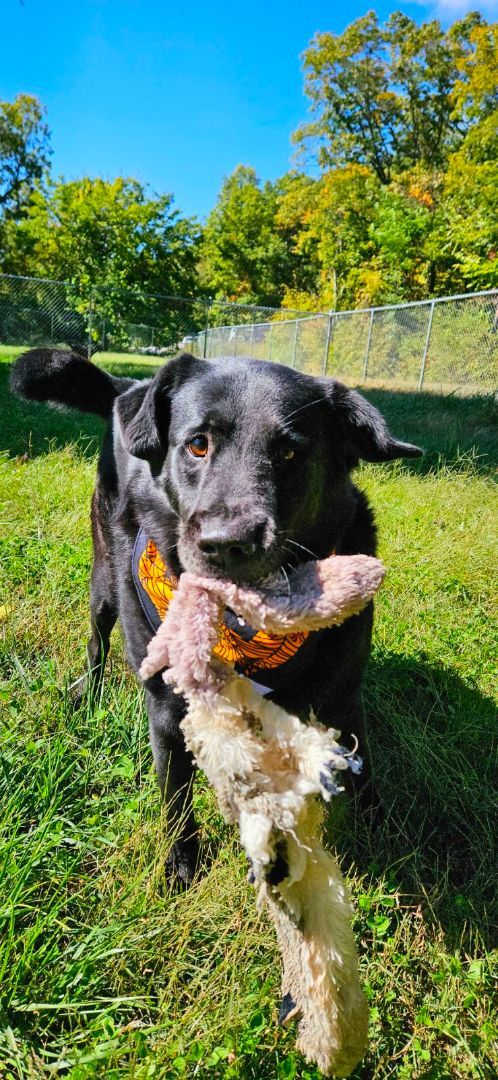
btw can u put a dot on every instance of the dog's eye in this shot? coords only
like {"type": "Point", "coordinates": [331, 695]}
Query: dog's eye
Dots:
{"type": "Point", "coordinates": [286, 453]}
{"type": "Point", "coordinates": [198, 446]}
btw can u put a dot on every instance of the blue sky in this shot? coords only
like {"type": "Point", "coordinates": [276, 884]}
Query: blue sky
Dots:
{"type": "Point", "coordinates": [176, 96]}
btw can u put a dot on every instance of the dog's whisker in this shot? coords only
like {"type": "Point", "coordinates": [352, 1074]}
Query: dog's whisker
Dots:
{"type": "Point", "coordinates": [294, 555]}
{"type": "Point", "coordinates": [166, 551]}
{"type": "Point", "coordinates": [286, 576]}
{"type": "Point", "coordinates": [308, 405]}
{"type": "Point", "coordinates": [304, 548]}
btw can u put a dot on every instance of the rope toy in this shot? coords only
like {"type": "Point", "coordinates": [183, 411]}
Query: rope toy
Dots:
{"type": "Point", "coordinates": [267, 769]}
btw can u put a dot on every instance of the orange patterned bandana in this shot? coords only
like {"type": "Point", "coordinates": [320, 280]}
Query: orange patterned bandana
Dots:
{"type": "Point", "coordinates": [250, 651]}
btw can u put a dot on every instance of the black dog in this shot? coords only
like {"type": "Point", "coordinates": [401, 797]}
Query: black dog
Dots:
{"type": "Point", "coordinates": [234, 467]}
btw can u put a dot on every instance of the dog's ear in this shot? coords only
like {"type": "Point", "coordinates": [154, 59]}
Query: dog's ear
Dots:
{"type": "Point", "coordinates": [363, 429]}
{"type": "Point", "coordinates": [143, 412]}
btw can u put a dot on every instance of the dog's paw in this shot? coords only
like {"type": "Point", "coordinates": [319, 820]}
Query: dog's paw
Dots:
{"type": "Point", "coordinates": [84, 692]}
{"type": "Point", "coordinates": [182, 865]}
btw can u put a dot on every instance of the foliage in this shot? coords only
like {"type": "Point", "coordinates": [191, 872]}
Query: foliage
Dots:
{"type": "Point", "coordinates": [470, 205]}
{"type": "Point", "coordinates": [24, 151]}
{"type": "Point", "coordinates": [381, 95]}
{"type": "Point", "coordinates": [112, 235]}
{"type": "Point", "coordinates": [404, 206]}
{"type": "Point", "coordinates": [405, 132]}
{"type": "Point", "coordinates": [247, 250]}
{"type": "Point", "coordinates": [371, 243]}
{"type": "Point", "coordinates": [106, 972]}
{"type": "Point", "coordinates": [110, 232]}
{"type": "Point", "coordinates": [470, 210]}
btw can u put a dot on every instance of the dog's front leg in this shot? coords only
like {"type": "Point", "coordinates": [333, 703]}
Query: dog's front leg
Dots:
{"type": "Point", "coordinates": [103, 605]}
{"type": "Point", "coordinates": [175, 770]}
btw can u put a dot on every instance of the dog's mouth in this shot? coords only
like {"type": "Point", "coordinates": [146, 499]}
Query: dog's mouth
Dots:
{"type": "Point", "coordinates": [258, 569]}
{"type": "Point", "coordinates": [244, 549]}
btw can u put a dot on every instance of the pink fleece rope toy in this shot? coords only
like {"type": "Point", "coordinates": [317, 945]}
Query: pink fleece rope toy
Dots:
{"type": "Point", "coordinates": [267, 769]}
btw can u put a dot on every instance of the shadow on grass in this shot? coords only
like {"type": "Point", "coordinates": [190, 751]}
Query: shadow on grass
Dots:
{"type": "Point", "coordinates": [432, 742]}
{"type": "Point", "coordinates": [452, 431]}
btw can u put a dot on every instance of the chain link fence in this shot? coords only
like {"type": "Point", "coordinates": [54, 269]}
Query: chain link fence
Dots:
{"type": "Point", "coordinates": [444, 344]}
{"type": "Point", "coordinates": [36, 311]}
{"type": "Point", "coordinates": [447, 344]}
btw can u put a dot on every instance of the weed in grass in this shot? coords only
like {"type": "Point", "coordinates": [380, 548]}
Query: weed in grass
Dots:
{"type": "Point", "coordinates": [105, 972]}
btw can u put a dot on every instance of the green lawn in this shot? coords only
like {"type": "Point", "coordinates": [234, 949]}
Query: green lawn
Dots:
{"type": "Point", "coordinates": [103, 972]}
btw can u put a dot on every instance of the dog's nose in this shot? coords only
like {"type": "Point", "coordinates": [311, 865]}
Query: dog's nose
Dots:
{"type": "Point", "coordinates": [228, 548]}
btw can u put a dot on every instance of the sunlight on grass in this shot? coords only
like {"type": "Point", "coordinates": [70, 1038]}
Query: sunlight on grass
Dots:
{"type": "Point", "coordinates": [104, 972]}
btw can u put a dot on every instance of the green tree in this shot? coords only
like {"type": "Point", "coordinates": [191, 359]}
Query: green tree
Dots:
{"type": "Point", "coordinates": [24, 151]}
{"type": "Point", "coordinates": [248, 255]}
{"type": "Point", "coordinates": [405, 127]}
{"type": "Point", "coordinates": [111, 233]}
{"type": "Point", "coordinates": [475, 93]}
{"type": "Point", "coordinates": [381, 95]}
{"type": "Point", "coordinates": [331, 221]}
{"type": "Point", "coordinates": [470, 196]}
{"type": "Point", "coordinates": [113, 241]}
{"type": "Point", "coordinates": [368, 243]}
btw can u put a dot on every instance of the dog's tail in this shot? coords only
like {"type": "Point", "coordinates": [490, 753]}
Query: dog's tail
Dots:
{"type": "Point", "coordinates": [66, 378]}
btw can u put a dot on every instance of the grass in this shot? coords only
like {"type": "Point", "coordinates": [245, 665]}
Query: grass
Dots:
{"type": "Point", "coordinates": [104, 972]}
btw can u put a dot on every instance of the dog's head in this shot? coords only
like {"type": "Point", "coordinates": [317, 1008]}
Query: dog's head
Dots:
{"type": "Point", "coordinates": [253, 458]}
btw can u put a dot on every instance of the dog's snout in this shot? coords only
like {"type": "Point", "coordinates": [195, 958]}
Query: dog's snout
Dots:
{"type": "Point", "coordinates": [221, 549]}
{"type": "Point", "coordinates": [227, 547]}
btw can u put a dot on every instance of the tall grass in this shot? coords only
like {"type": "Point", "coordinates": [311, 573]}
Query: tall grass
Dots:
{"type": "Point", "coordinates": [104, 971]}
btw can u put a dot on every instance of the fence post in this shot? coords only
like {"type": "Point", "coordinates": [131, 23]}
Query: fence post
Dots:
{"type": "Point", "coordinates": [90, 328]}
{"type": "Point", "coordinates": [252, 339]}
{"type": "Point", "coordinates": [294, 347]}
{"type": "Point", "coordinates": [426, 346]}
{"type": "Point", "coordinates": [271, 339]}
{"type": "Point", "coordinates": [327, 344]}
{"type": "Point", "coordinates": [369, 339]}
{"type": "Point", "coordinates": [206, 327]}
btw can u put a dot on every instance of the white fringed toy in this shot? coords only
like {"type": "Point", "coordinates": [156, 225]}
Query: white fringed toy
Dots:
{"type": "Point", "coordinates": [267, 768]}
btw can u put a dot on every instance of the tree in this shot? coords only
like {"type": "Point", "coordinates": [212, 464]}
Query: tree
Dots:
{"type": "Point", "coordinates": [470, 198]}
{"type": "Point", "coordinates": [470, 210]}
{"type": "Point", "coordinates": [382, 95]}
{"type": "Point", "coordinates": [109, 233]}
{"type": "Point", "coordinates": [24, 151]}
{"type": "Point", "coordinates": [368, 243]}
{"type": "Point", "coordinates": [404, 205]}
{"type": "Point", "coordinates": [475, 92]}
{"type": "Point", "coordinates": [404, 127]}
{"type": "Point", "coordinates": [331, 221]}
{"type": "Point", "coordinates": [116, 245]}
{"type": "Point", "coordinates": [247, 253]}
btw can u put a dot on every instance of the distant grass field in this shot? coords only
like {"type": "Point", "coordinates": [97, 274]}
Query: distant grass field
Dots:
{"type": "Point", "coordinates": [104, 972]}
